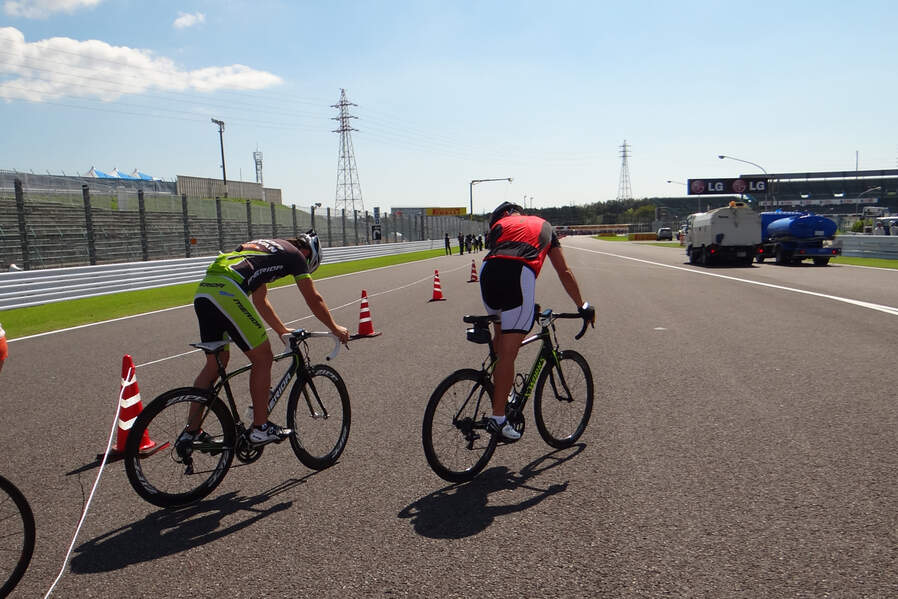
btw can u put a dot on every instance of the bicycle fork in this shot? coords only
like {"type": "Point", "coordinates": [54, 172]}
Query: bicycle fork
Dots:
{"type": "Point", "coordinates": [568, 396]}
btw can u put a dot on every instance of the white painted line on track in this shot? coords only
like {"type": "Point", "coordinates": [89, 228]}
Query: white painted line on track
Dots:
{"type": "Point", "coordinates": [870, 306]}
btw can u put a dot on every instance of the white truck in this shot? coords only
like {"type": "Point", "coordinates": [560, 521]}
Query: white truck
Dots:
{"type": "Point", "coordinates": [728, 234]}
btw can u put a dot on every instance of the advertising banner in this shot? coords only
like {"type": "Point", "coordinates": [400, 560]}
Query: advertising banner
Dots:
{"type": "Point", "coordinates": [726, 186]}
{"type": "Point", "coordinates": [445, 211]}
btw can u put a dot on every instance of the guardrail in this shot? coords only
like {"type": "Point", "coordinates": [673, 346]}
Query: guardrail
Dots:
{"type": "Point", "coordinates": [868, 246]}
{"type": "Point", "coordinates": [20, 289]}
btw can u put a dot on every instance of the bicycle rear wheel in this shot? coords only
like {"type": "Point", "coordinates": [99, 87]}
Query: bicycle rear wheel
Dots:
{"type": "Point", "coordinates": [173, 473]}
{"type": "Point", "coordinates": [16, 536]}
{"type": "Point", "coordinates": [318, 412]}
{"type": "Point", "coordinates": [562, 411]}
{"type": "Point", "coordinates": [456, 442]}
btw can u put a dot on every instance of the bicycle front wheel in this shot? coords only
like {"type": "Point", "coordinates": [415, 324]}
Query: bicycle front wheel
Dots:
{"type": "Point", "coordinates": [175, 473]}
{"type": "Point", "coordinates": [563, 409]}
{"type": "Point", "coordinates": [16, 536]}
{"type": "Point", "coordinates": [319, 414]}
{"type": "Point", "coordinates": [456, 442]}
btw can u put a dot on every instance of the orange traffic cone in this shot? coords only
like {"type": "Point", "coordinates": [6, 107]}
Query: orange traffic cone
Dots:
{"type": "Point", "coordinates": [473, 278]}
{"type": "Point", "coordinates": [437, 290]}
{"type": "Point", "coordinates": [366, 328]}
{"type": "Point", "coordinates": [129, 408]}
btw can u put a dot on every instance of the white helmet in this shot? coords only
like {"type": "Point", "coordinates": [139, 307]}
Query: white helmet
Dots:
{"type": "Point", "coordinates": [310, 241]}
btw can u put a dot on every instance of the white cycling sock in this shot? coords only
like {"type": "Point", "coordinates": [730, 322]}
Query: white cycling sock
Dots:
{"type": "Point", "coordinates": [498, 419]}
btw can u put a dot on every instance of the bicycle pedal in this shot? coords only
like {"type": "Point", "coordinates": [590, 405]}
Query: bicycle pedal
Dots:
{"type": "Point", "coordinates": [260, 444]}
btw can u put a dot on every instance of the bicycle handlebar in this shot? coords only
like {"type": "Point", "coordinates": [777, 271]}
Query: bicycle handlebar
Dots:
{"type": "Point", "coordinates": [302, 334]}
{"type": "Point", "coordinates": [576, 315]}
{"type": "Point", "coordinates": [588, 314]}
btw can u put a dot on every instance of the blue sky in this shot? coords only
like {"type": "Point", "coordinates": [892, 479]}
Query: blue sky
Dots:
{"type": "Point", "coordinates": [543, 92]}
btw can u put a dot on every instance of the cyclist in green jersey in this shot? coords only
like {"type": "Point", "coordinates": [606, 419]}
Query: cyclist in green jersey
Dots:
{"type": "Point", "coordinates": [232, 301]}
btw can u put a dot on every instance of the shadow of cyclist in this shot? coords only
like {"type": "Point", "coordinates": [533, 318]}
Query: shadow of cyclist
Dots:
{"type": "Point", "coordinates": [459, 511]}
{"type": "Point", "coordinates": [171, 531]}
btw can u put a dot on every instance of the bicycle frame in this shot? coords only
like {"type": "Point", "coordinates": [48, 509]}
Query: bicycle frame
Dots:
{"type": "Point", "coordinates": [298, 350]}
{"type": "Point", "coordinates": [276, 393]}
{"type": "Point", "coordinates": [549, 351]}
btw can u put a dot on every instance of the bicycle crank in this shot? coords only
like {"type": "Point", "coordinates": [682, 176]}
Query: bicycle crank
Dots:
{"type": "Point", "coordinates": [245, 453]}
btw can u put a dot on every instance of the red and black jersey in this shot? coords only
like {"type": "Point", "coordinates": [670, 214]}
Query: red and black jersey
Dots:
{"type": "Point", "coordinates": [526, 239]}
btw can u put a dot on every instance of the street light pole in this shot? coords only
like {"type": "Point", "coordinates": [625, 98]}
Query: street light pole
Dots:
{"type": "Point", "coordinates": [471, 191]}
{"type": "Point", "coordinates": [766, 176]}
{"type": "Point", "coordinates": [224, 173]}
{"type": "Point", "coordinates": [857, 205]}
{"type": "Point", "coordinates": [697, 199]}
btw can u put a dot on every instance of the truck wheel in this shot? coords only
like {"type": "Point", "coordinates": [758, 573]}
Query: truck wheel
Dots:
{"type": "Point", "coordinates": [821, 260]}
{"type": "Point", "coordinates": [782, 256]}
{"type": "Point", "coordinates": [706, 259]}
{"type": "Point", "coordinates": [693, 257]}
{"type": "Point", "coordinates": [759, 259]}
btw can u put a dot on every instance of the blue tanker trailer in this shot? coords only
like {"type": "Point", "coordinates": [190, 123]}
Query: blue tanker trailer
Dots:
{"type": "Point", "coordinates": [791, 237]}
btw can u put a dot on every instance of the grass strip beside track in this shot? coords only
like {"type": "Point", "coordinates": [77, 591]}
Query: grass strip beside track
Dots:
{"type": "Point", "coordinates": [20, 322]}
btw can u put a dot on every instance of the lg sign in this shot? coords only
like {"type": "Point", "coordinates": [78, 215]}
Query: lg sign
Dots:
{"type": "Point", "coordinates": [725, 186]}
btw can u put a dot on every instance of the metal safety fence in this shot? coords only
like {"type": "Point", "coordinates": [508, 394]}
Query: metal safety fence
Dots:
{"type": "Point", "coordinates": [48, 228]}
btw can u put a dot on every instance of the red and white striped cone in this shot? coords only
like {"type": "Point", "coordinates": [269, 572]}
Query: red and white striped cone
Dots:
{"type": "Point", "coordinates": [473, 278]}
{"type": "Point", "coordinates": [437, 290]}
{"type": "Point", "coordinates": [366, 327]}
{"type": "Point", "coordinates": [130, 408]}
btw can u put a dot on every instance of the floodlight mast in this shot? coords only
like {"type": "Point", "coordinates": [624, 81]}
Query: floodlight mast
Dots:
{"type": "Point", "coordinates": [224, 173]}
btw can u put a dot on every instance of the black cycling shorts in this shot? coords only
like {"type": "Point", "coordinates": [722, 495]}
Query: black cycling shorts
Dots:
{"type": "Point", "coordinates": [508, 288]}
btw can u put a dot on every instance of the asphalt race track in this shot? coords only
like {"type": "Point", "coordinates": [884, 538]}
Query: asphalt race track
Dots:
{"type": "Point", "coordinates": [744, 443]}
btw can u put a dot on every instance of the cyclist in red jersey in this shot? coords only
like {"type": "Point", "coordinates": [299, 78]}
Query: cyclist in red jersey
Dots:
{"type": "Point", "coordinates": [518, 246]}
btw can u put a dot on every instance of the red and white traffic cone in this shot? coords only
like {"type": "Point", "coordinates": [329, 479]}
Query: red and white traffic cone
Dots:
{"type": "Point", "coordinates": [130, 408]}
{"type": "Point", "coordinates": [437, 290]}
{"type": "Point", "coordinates": [473, 278]}
{"type": "Point", "coordinates": [366, 327]}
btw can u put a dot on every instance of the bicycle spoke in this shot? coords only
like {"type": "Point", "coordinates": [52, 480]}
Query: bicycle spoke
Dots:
{"type": "Point", "coordinates": [455, 439]}
{"type": "Point", "coordinates": [563, 413]}
{"type": "Point", "coordinates": [180, 472]}
{"type": "Point", "coordinates": [318, 411]}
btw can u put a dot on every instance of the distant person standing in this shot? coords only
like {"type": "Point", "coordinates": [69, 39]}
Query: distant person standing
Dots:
{"type": "Point", "coordinates": [4, 350]}
{"type": "Point", "coordinates": [448, 247]}
{"type": "Point", "coordinates": [461, 245]}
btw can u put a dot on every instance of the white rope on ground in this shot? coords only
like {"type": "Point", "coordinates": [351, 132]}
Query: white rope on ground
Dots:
{"type": "Point", "coordinates": [90, 497]}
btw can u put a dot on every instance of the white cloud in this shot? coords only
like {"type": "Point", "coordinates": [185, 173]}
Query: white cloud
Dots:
{"type": "Point", "coordinates": [41, 9]}
{"type": "Point", "coordinates": [62, 67]}
{"type": "Point", "coordinates": [185, 20]}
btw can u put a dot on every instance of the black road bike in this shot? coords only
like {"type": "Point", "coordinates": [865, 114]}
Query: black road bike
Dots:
{"type": "Point", "coordinates": [456, 441]}
{"type": "Point", "coordinates": [17, 536]}
{"type": "Point", "coordinates": [176, 472]}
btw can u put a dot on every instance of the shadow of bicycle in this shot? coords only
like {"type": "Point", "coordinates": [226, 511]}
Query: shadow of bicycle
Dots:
{"type": "Point", "coordinates": [171, 531]}
{"type": "Point", "coordinates": [459, 511]}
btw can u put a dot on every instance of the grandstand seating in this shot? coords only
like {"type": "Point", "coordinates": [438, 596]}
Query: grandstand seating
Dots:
{"type": "Point", "coordinates": [57, 235]}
